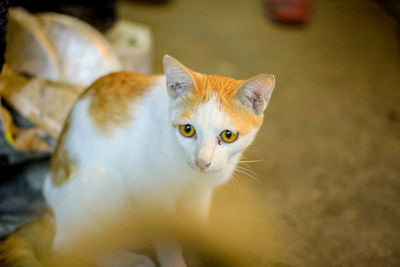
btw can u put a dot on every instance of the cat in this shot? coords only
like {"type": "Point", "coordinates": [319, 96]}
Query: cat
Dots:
{"type": "Point", "coordinates": [156, 139]}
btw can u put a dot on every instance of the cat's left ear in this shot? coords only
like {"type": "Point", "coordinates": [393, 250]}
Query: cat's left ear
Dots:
{"type": "Point", "coordinates": [256, 92]}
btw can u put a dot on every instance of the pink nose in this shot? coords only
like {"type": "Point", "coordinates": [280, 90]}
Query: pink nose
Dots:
{"type": "Point", "coordinates": [202, 164]}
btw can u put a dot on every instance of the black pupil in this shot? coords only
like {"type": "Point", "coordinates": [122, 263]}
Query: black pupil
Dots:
{"type": "Point", "coordinates": [188, 128]}
{"type": "Point", "coordinates": [228, 134]}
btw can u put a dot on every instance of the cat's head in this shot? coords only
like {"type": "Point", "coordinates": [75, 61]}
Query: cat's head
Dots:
{"type": "Point", "coordinates": [215, 118]}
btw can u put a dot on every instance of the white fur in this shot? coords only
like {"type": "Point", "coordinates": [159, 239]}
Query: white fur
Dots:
{"type": "Point", "coordinates": [148, 162]}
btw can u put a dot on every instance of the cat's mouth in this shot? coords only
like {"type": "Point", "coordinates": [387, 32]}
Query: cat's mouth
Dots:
{"type": "Point", "coordinates": [203, 169]}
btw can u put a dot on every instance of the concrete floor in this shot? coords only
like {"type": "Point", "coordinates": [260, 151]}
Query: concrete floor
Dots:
{"type": "Point", "coordinates": [330, 175]}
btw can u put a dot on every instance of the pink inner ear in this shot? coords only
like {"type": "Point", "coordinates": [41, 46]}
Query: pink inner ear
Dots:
{"type": "Point", "coordinates": [260, 98]}
{"type": "Point", "coordinates": [263, 90]}
{"type": "Point", "coordinates": [257, 103]}
{"type": "Point", "coordinates": [259, 93]}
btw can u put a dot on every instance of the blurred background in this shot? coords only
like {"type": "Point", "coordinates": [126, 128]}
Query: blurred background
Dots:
{"type": "Point", "coordinates": [325, 183]}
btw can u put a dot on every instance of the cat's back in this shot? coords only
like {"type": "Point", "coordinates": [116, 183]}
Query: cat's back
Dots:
{"type": "Point", "coordinates": [113, 97]}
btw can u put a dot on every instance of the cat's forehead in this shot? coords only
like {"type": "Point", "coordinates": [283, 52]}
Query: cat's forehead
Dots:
{"type": "Point", "coordinates": [210, 114]}
{"type": "Point", "coordinates": [212, 102]}
{"type": "Point", "coordinates": [208, 86]}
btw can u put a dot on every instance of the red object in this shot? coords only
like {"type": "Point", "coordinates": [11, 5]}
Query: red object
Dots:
{"type": "Point", "coordinates": [289, 11]}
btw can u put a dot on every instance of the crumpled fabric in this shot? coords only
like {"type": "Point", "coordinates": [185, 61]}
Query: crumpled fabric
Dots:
{"type": "Point", "coordinates": [32, 112]}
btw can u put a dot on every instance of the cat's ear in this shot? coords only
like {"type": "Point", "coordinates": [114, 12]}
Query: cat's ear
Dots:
{"type": "Point", "coordinates": [256, 92]}
{"type": "Point", "coordinates": [179, 80]}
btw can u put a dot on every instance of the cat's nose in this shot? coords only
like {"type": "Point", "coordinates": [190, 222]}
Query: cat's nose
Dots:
{"type": "Point", "coordinates": [204, 157]}
{"type": "Point", "coordinates": [202, 164]}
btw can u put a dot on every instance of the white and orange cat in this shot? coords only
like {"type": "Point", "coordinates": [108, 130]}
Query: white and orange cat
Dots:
{"type": "Point", "coordinates": [155, 139]}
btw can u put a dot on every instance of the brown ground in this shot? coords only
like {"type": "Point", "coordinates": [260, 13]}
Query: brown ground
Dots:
{"type": "Point", "coordinates": [331, 170]}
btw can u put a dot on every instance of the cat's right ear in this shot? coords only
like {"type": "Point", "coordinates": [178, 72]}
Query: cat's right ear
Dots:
{"type": "Point", "coordinates": [179, 80]}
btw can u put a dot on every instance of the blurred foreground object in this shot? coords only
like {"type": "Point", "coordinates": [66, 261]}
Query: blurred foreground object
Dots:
{"type": "Point", "coordinates": [289, 11]}
{"type": "Point", "coordinates": [226, 241]}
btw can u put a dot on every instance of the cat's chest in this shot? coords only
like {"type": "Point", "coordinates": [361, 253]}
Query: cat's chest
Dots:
{"type": "Point", "coordinates": [152, 160]}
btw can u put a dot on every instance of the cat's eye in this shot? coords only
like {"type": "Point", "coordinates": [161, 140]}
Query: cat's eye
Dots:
{"type": "Point", "coordinates": [228, 136]}
{"type": "Point", "coordinates": [187, 130]}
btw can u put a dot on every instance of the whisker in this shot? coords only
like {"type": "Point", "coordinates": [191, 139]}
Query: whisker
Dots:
{"type": "Point", "coordinates": [248, 175]}
{"type": "Point", "coordinates": [250, 161]}
{"type": "Point", "coordinates": [235, 181]}
{"type": "Point", "coordinates": [247, 170]}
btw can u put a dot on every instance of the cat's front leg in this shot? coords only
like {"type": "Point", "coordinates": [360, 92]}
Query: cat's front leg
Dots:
{"type": "Point", "coordinates": [169, 253]}
{"type": "Point", "coordinates": [196, 205]}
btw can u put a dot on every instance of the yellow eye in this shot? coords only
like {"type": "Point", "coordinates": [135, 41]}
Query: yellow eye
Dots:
{"type": "Point", "coordinates": [187, 130]}
{"type": "Point", "coordinates": [228, 136]}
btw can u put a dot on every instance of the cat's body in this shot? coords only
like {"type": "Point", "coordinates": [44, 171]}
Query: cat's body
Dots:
{"type": "Point", "coordinates": [123, 147]}
{"type": "Point", "coordinates": [153, 169]}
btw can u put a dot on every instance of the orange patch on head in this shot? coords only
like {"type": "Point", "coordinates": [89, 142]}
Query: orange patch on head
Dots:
{"type": "Point", "coordinates": [223, 89]}
{"type": "Point", "coordinates": [113, 95]}
{"type": "Point", "coordinates": [244, 119]}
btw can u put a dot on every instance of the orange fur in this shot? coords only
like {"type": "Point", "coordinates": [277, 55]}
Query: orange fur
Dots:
{"type": "Point", "coordinates": [61, 164]}
{"type": "Point", "coordinates": [113, 95]}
